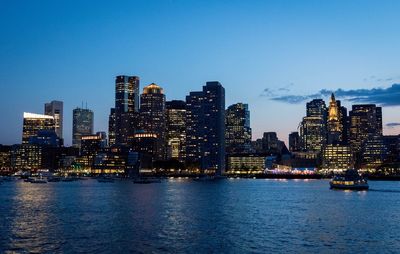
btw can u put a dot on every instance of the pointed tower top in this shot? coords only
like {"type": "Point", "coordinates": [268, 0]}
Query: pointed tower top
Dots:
{"type": "Point", "coordinates": [332, 97]}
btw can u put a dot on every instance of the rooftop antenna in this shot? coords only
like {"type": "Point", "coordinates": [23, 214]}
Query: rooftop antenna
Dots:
{"type": "Point", "coordinates": [86, 105]}
{"type": "Point", "coordinates": [82, 104]}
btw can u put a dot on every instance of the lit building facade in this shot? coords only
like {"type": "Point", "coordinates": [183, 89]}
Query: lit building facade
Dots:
{"type": "Point", "coordinates": [337, 158]}
{"type": "Point", "coordinates": [313, 127]}
{"type": "Point", "coordinates": [152, 116]}
{"type": "Point", "coordinates": [245, 164]}
{"type": "Point", "coordinates": [35, 122]}
{"type": "Point", "coordinates": [55, 109]}
{"type": "Point", "coordinates": [26, 157]}
{"type": "Point", "coordinates": [82, 124]}
{"type": "Point", "coordinates": [238, 131]}
{"type": "Point", "coordinates": [5, 158]}
{"type": "Point", "coordinates": [205, 128]}
{"type": "Point", "coordinates": [176, 130]}
{"type": "Point", "coordinates": [91, 145]}
{"type": "Point", "coordinates": [126, 107]}
{"type": "Point", "coordinates": [365, 121]}
{"type": "Point", "coordinates": [374, 152]}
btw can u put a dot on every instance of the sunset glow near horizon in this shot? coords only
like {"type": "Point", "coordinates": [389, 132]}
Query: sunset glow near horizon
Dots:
{"type": "Point", "coordinates": [274, 56]}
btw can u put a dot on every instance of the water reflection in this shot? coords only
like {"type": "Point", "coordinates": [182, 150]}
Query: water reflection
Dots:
{"type": "Point", "coordinates": [179, 215]}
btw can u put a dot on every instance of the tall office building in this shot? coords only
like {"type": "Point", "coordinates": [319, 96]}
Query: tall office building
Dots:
{"type": "Point", "coordinates": [82, 124]}
{"type": "Point", "coordinates": [126, 107]}
{"type": "Point", "coordinates": [294, 142]}
{"type": "Point", "coordinates": [152, 116]}
{"type": "Point", "coordinates": [176, 129]}
{"type": "Point", "coordinates": [205, 127]}
{"type": "Point", "coordinates": [55, 109]}
{"type": "Point", "coordinates": [365, 121]}
{"type": "Point", "coordinates": [33, 123]}
{"type": "Point", "coordinates": [313, 127]}
{"type": "Point", "coordinates": [238, 131]}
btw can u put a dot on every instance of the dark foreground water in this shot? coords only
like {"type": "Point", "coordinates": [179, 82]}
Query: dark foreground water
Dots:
{"type": "Point", "coordinates": [228, 216]}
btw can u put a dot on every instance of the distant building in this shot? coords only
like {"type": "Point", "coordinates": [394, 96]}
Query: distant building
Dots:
{"type": "Point", "coordinates": [337, 158]}
{"type": "Point", "coordinates": [238, 131]}
{"type": "Point", "coordinates": [47, 138]}
{"type": "Point", "coordinates": [205, 127]}
{"type": "Point", "coordinates": [313, 127]}
{"type": "Point", "coordinates": [91, 145]}
{"type": "Point", "coordinates": [55, 109]}
{"type": "Point", "coordinates": [176, 130]}
{"type": "Point", "coordinates": [152, 116]}
{"type": "Point", "coordinates": [34, 123]}
{"type": "Point", "coordinates": [245, 163]}
{"type": "Point", "coordinates": [26, 157]}
{"type": "Point", "coordinates": [5, 158]}
{"type": "Point", "coordinates": [111, 127]}
{"type": "Point", "coordinates": [82, 124]}
{"type": "Point", "coordinates": [374, 152]}
{"type": "Point", "coordinates": [126, 107]}
{"type": "Point", "coordinates": [294, 142]}
{"type": "Point", "coordinates": [365, 121]}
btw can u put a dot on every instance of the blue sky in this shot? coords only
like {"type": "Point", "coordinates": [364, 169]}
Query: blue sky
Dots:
{"type": "Point", "coordinates": [72, 50]}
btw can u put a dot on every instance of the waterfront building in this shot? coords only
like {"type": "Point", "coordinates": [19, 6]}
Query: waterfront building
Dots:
{"type": "Point", "coordinates": [313, 127]}
{"type": "Point", "coordinates": [294, 142]}
{"type": "Point", "coordinates": [5, 158]}
{"type": "Point", "coordinates": [365, 121]}
{"type": "Point", "coordinates": [337, 158]}
{"type": "Point", "coordinates": [152, 116]}
{"type": "Point", "coordinates": [176, 130]}
{"type": "Point", "coordinates": [272, 145]}
{"type": "Point", "coordinates": [146, 145]}
{"type": "Point", "coordinates": [55, 109]}
{"type": "Point", "coordinates": [91, 145]}
{"type": "Point", "coordinates": [245, 163]}
{"type": "Point", "coordinates": [126, 107]}
{"type": "Point", "coordinates": [238, 131]}
{"type": "Point", "coordinates": [26, 157]}
{"type": "Point", "coordinates": [35, 122]}
{"type": "Point", "coordinates": [205, 128]}
{"type": "Point", "coordinates": [374, 152]}
{"type": "Point", "coordinates": [82, 124]}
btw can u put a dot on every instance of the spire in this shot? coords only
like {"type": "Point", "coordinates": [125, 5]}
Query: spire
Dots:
{"type": "Point", "coordinates": [332, 97]}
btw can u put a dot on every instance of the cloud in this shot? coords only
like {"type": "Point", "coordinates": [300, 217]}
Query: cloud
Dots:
{"type": "Point", "coordinates": [392, 125]}
{"type": "Point", "coordinates": [389, 96]}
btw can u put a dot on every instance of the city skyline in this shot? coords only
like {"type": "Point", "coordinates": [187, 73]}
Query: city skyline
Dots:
{"type": "Point", "coordinates": [285, 52]}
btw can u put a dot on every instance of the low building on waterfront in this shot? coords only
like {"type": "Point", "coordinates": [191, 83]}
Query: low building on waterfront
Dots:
{"type": "Point", "coordinates": [245, 164]}
{"type": "Point", "coordinates": [336, 158]}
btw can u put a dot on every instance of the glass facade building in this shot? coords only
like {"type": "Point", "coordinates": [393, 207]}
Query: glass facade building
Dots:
{"type": "Point", "coordinates": [205, 128]}
{"type": "Point", "coordinates": [82, 124]}
{"type": "Point", "coordinates": [35, 122]}
{"type": "Point", "coordinates": [55, 109]}
{"type": "Point", "coordinates": [238, 131]}
{"type": "Point", "coordinates": [176, 130]}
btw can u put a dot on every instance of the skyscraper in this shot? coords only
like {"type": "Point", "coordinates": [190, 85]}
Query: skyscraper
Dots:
{"type": "Point", "coordinates": [365, 122]}
{"type": "Point", "coordinates": [152, 115]}
{"type": "Point", "coordinates": [336, 123]}
{"type": "Point", "coordinates": [313, 127]}
{"type": "Point", "coordinates": [82, 124]}
{"type": "Point", "coordinates": [238, 131]}
{"type": "Point", "coordinates": [33, 123]}
{"type": "Point", "coordinates": [55, 109]}
{"type": "Point", "coordinates": [294, 142]}
{"type": "Point", "coordinates": [176, 129]}
{"type": "Point", "coordinates": [205, 127]}
{"type": "Point", "coordinates": [126, 107]}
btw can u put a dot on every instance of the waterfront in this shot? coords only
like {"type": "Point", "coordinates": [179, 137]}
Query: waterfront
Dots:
{"type": "Point", "coordinates": [179, 215]}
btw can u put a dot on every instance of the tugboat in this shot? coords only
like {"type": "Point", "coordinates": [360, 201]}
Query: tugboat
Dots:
{"type": "Point", "coordinates": [350, 180]}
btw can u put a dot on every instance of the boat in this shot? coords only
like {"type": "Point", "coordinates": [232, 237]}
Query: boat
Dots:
{"type": "Point", "coordinates": [146, 180]}
{"type": "Point", "coordinates": [350, 180]}
{"type": "Point", "coordinates": [67, 179]}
